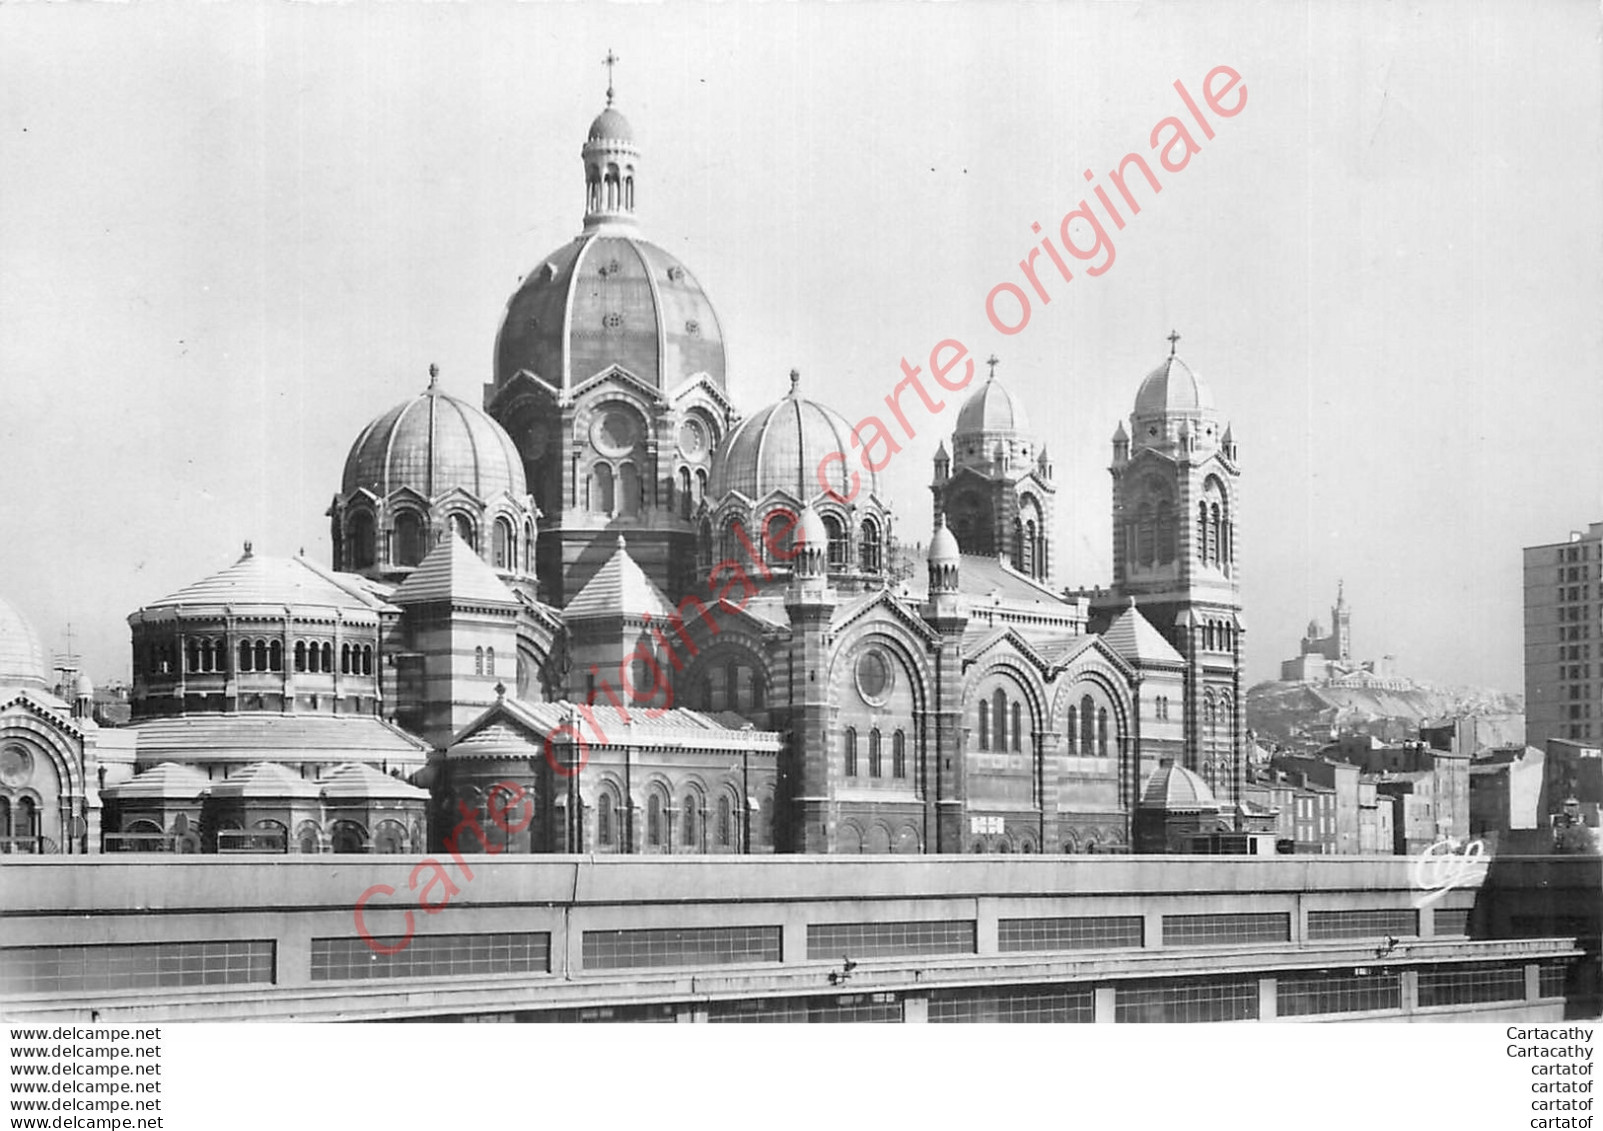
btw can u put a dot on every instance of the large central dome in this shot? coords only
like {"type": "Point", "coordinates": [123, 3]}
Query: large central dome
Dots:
{"type": "Point", "coordinates": [610, 297]}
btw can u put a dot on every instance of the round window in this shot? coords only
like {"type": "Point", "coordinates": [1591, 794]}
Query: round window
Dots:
{"type": "Point", "coordinates": [692, 438]}
{"type": "Point", "coordinates": [614, 433]}
{"type": "Point", "coordinates": [874, 677]}
{"type": "Point", "coordinates": [16, 765]}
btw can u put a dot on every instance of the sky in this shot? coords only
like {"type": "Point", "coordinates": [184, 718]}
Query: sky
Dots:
{"type": "Point", "coordinates": [230, 235]}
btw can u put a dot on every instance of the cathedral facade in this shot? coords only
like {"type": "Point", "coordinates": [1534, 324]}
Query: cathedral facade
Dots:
{"type": "Point", "coordinates": [609, 612]}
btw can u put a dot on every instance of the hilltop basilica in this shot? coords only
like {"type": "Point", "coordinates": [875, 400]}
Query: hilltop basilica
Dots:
{"type": "Point", "coordinates": [608, 612]}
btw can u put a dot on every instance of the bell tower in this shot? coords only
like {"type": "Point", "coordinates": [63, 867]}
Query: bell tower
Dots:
{"type": "Point", "coordinates": [1176, 497]}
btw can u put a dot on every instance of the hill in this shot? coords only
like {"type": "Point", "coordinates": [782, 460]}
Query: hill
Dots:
{"type": "Point", "coordinates": [1295, 713]}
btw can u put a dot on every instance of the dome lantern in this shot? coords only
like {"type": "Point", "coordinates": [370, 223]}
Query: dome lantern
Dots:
{"type": "Point", "coordinates": [610, 162]}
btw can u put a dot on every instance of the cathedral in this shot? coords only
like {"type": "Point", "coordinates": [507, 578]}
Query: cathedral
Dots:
{"type": "Point", "coordinates": [606, 611]}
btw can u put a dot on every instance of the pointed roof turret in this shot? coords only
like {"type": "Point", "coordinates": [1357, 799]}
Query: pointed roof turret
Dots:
{"type": "Point", "coordinates": [1133, 637]}
{"type": "Point", "coordinates": [453, 572]}
{"type": "Point", "coordinates": [620, 588]}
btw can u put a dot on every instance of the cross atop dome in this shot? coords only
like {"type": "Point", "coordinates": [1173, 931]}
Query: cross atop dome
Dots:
{"type": "Point", "coordinates": [993, 362]}
{"type": "Point", "coordinates": [795, 381]}
{"type": "Point", "coordinates": [611, 60]}
{"type": "Point", "coordinates": [1174, 341]}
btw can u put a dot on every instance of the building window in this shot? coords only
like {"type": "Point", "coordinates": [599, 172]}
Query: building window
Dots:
{"type": "Point", "coordinates": [724, 821]}
{"type": "Point", "coordinates": [837, 542]}
{"type": "Point", "coordinates": [898, 755]}
{"type": "Point", "coordinates": [873, 753]}
{"type": "Point", "coordinates": [691, 813]}
{"type": "Point", "coordinates": [1032, 1005]}
{"type": "Point", "coordinates": [1102, 733]}
{"type": "Point", "coordinates": [851, 752]}
{"type": "Point", "coordinates": [1071, 731]}
{"type": "Point", "coordinates": [869, 554]}
{"type": "Point", "coordinates": [1076, 933]}
{"type": "Point", "coordinates": [1018, 730]}
{"type": "Point", "coordinates": [885, 940]}
{"type": "Point", "coordinates": [604, 818]}
{"type": "Point", "coordinates": [489, 661]}
{"type": "Point", "coordinates": [478, 661]}
{"type": "Point", "coordinates": [1087, 726]}
{"type": "Point", "coordinates": [679, 946]}
{"type": "Point", "coordinates": [300, 655]}
{"type": "Point", "coordinates": [1187, 1000]}
{"type": "Point", "coordinates": [432, 956]}
{"type": "Point", "coordinates": [985, 725]}
{"type": "Point", "coordinates": [408, 536]}
{"type": "Point", "coordinates": [136, 966]}
{"type": "Point", "coordinates": [275, 656]}
{"type": "Point", "coordinates": [505, 545]}
{"type": "Point", "coordinates": [1226, 929]}
{"type": "Point", "coordinates": [1362, 924]}
{"type": "Point", "coordinates": [999, 718]}
{"type": "Point", "coordinates": [654, 821]}
{"type": "Point", "coordinates": [359, 538]}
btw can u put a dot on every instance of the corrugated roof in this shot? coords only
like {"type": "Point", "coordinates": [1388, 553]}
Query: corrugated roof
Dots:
{"type": "Point", "coordinates": [1174, 787]}
{"type": "Point", "coordinates": [260, 579]}
{"type": "Point", "coordinates": [265, 779]}
{"type": "Point", "coordinates": [1132, 636]}
{"type": "Point", "coordinates": [495, 734]}
{"type": "Point", "coordinates": [167, 781]}
{"type": "Point", "coordinates": [453, 572]}
{"type": "Point", "coordinates": [262, 736]}
{"type": "Point", "coordinates": [619, 588]}
{"type": "Point", "coordinates": [357, 781]}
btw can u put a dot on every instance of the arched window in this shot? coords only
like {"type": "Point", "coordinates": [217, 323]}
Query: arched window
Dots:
{"type": "Point", "coordinates": [408, 535]}
{"type": "Point", "coordinates": [654, 821]}
{"type": "Point", "coordinates": [345, 659]}
{"type": "Point", "coordinates": [1018, 545]}
{"type": "Point", "coordinates": [1202, 532]}
{"type": "Point", "coordinates": [193, 654]}
{"type": "Point", "coordinates": [837, 541]}
{"type": "Point", "coordinates": [731, 549]}
{"type": "Point", "coordinates": [367, 659]}
{"type": "Point", "coordinates": [873, 753]}
{"type": "Point", "coordinates": [690, 820]}
{"type": "Point", "coordinates": [462, 527]}
{"type": "Point", "coordinates": [259, 655]}
{"type": "Point", "coordinates": [684, 492]}
{"type": "Point", "coordinates": [898, 755]}
{"type": "Point", "coordinates": [1165, 532]}
{"type": "Point", "coordinates": [724, 822]}
{"type": "Point", "coordinates": [359, 540]}
{"type": "Point", "coordinates": [717, 689]}
{"type": "Point", "coordinates": [5, 817]}
{"type": "Point", "coordinates": [868, 548]}
{"type": "Point", "coordinates": [478, 661]}
{"type": "Point", "coordinates": [489, 661]}
{"type": "Point", "coordinates": [1087, 726]}
{"type": "Point", "coordinates": [779, 535]}
{"type": "Point", "coordinates": [604, 818]}
{"type": "Point", "coordinates": [207, 654]}
{"type": "Point", "coordinates": [1213, 534]}
{"type": "Point", "coordinates": [528, 547]}
{"type": "Point", "coordinates": [851, 752]}
{"type": "Point", "coordinates": [1074, 737]}
{"type": "Point", "coordinates": [1146, 535]}
{"type": "Point", "coordinates": [985, 725]}
{"type": "Point", "coordinates": [300, 655]}
{"type": "Point", "coordinates": [1018, 730]}
{"type": "Point", "coordinates": [328, 656]}
{"type": "Point", "coordinates": [1102, 733]}
{"type": "Point", "coordinates": [701, 485]}
{"type": "Point", "coordinates": [601, 488]}
{"type": "Point", "coordinates": [999, 718]}
{"type": "Point", "coordinates": [26, 822]}
{"type": "Point", "coordinates": [275, 656]}
{"type": "Point", "coordinates": [629, 484]}
{"type": "Point", "coordinates": [504, 545]}
{"type": "Point", "coordinates": [1031, 550]}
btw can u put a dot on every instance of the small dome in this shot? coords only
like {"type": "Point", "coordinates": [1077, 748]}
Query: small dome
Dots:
{"type": "Point", "coordinates": [780, 448]}
{"type": "Point", "coordinates": [606, 300]}
{"type": "Point", "coordinates": [1173, 388]}
{"type": "Point", "coordinates": [22, 660]}
{"type": "Point", "coordinates": [431, 444]}
{"type": "Point", "coordinates": [257, 580]}
{"type": "Point", "coordinates": [992, 409]}
{"type": "Point", "coordinates": [810, 531]}
{"type": "Point", "coordinates": [943, 547]}
{"type": "Point", "coordinates": [611, 126]}
{"type": "Point", "coordinates": [85, 687]}
{"type": "Point", "coordinates": [1174, 787]}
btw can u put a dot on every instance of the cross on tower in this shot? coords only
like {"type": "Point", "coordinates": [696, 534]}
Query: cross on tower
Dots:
{"type": "Point", "coordinates": [993, 363]}
{"type": "Point", "coordinates": [611, 60]}
{"type": "Point", "coordinates": [1174, 338]}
